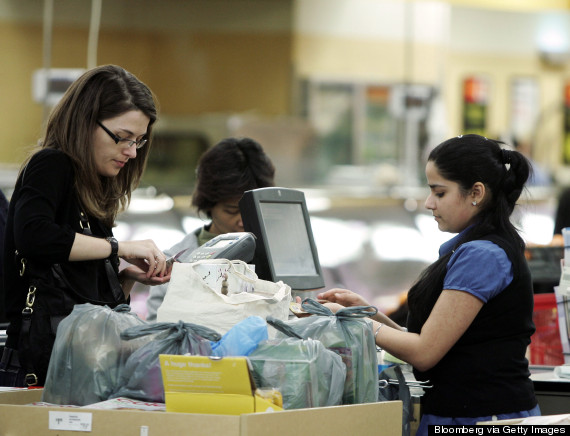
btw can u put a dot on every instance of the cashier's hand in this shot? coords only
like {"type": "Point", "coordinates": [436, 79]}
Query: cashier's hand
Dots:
{"type": "Point", "coordinates": [334, 307]}
{"type": "Point", "coordinates": [343, 297]}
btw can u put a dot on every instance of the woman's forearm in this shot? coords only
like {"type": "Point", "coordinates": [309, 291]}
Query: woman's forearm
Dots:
{"type": "Point", "coordinates": [89, 248]}
{"type": "Point", "coordinates": [127, 282]}
{"type": "Point", "coordinates": [384, 319]}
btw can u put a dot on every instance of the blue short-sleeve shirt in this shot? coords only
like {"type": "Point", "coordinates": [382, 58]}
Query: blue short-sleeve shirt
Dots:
{"type": "Point", "coordinates": [479, 267]}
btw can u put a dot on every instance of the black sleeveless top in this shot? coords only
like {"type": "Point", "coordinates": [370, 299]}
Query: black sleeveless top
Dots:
{"type": "Point", "coordinates": [486, 371]}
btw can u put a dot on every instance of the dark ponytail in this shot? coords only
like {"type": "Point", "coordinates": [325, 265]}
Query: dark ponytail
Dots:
{"type": "Point", "coordinates": [518, 172]}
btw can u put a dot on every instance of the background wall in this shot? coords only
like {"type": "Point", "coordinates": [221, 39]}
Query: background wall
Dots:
{"type": "Point", "coordinates": [442, 44]}
{"type": "Point", "coordinates": [217, 62]}
{"type": "Point", "coordinates": [198, 57]}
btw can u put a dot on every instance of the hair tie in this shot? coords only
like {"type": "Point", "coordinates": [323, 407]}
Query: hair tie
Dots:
{"type": "Point", "coordinates": [506, 156]}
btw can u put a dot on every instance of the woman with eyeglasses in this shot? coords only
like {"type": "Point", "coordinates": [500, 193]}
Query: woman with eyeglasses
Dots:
{"type": "Point", "coordinates": [59, 247]}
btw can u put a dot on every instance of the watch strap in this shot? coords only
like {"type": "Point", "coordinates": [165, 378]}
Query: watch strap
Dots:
{"type": "Point", "coordinates": [114, 246]}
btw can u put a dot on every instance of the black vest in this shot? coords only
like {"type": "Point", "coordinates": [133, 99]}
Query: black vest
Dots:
{"type": "Point", "coordinates": [486, 372]}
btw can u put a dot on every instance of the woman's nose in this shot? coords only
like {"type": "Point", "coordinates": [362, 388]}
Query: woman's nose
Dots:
{"type": "Point", "coordinates": [131, 152]}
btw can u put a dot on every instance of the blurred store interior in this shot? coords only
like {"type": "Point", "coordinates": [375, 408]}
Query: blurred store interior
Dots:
{"type": "Point", "coordinates": [346, 96]}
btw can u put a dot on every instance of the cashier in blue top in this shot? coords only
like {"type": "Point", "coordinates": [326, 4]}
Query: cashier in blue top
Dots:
{"type": "Point", "coordinates": [470, 312]}
{"type": "Point", "coordinates": [224, 173]}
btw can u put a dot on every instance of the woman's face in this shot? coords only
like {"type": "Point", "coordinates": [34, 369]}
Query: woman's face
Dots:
{"type": "Point", "coordinates": [110, 157]}
{"type": "Point", "coordinates": [452, 209]}
{"type": "Point", "coordinates": [226, 217]}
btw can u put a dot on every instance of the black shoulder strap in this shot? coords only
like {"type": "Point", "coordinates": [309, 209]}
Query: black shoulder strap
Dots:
{"type": "Point", "coordinates": [112, 277]}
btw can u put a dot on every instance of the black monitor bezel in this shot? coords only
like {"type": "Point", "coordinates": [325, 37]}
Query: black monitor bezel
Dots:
{"type": "Point", "coordinates": [250, 209]}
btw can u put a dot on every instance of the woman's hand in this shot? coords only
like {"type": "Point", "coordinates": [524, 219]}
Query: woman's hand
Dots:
{"type": "Point", "coordinates": [344, 297]}
{"type": "Point", "coordinates": [334, 307]}
{"type": "Point", "coordinates": [150, 260]}
{"type": "Point", "coordinates": [135, 274]}
{"type": "Point", "coordinates": [144, 254]}
{"type": "Point", "coordinates": [131, 274]}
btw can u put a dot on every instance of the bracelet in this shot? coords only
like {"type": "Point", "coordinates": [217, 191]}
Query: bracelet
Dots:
{"type": "Point", "coordinates": [377, 330]}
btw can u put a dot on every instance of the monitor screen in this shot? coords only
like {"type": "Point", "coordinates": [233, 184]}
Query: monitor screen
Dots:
{"type": "Point", "coordinates": [285, 248]}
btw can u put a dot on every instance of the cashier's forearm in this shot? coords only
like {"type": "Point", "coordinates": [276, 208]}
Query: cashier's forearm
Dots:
{"type": "Point", "coordinates": [397, 341]}
{"type": "Point", "coordinates": [383, 318]}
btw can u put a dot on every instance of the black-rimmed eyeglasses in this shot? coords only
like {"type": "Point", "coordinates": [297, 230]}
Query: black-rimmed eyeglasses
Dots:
{"type": "Point", "coordinates": [128, 142]}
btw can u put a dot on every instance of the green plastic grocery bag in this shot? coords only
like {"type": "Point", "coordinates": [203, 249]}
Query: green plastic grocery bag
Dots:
{"type": "Point", "coordinates": [303, 370]}
{"type": "Point", "coordinates": [348, 333]}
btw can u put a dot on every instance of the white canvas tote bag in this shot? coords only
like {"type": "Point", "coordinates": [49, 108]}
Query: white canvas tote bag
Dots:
{"type": "Point", "coordinates": [219, 293]}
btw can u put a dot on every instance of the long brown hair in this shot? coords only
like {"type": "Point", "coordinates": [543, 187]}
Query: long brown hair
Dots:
{"type": "Point", "coordinates": [100, 93]}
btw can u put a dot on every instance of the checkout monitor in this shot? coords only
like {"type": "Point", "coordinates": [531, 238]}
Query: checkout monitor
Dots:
{"type": "Point", "coordinates": [285, 248]}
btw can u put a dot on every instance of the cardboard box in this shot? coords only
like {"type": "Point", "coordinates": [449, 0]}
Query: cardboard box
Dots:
{"type": "Point", "coordinates": [378, 419]}
{"type": "Point", "coordinates": [21, 396]}
{"type": "Point", "coordinates": [200, 384]}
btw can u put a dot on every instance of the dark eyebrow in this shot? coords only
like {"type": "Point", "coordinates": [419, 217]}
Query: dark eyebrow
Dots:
{"type": "Point", "coordinates": [129, 133]}
{"type": "Point", "coordinates": [230, 206]}
{"type": "Point", "coordinates": [436, 186]}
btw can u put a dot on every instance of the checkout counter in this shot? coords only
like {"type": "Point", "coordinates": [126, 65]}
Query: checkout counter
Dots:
{"type": "Point", "coordinates": [552, 391]}
{"type": "Point", "coordinates": [546, 350]}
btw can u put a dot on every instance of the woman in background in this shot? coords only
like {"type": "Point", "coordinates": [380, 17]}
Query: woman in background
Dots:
{"type": "Point", "coordinates": [224, 173]}
{"type": "Point", "coordinates": [470, 312]}
{"type": "Point", "coordinates": [63, 209]}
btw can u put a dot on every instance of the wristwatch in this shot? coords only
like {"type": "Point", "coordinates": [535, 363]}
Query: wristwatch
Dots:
{"type": "Point", "coordinates": [114, 245]}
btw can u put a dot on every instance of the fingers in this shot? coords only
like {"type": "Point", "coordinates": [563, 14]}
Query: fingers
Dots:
{"type": "Point", "coordinates": [140, 275]}
{"type": "Point", "coordinates": [157, 266]}
{"type": "Point", "coordinates": [343, 297]}
{"type": "Point", "coordinates": [146, 255]}
{"type": "Point", "coordinates": [332, 294]}
{"type": "Point", "coordinates": [153, 256]}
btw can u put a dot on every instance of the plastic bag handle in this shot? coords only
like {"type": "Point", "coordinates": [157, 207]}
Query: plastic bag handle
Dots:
{"type": "Point", "coordinates": [178, 328]}
{"type": "Point", "coordinates": [282, 327]}
{"type": "Point", "coordinates": [122, 308]}
{"type": "Point", "coordinates": [312, 306]}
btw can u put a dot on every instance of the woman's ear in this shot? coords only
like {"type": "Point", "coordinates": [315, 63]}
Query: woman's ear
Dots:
{"type": "Point", "coordinates": [478, 192]}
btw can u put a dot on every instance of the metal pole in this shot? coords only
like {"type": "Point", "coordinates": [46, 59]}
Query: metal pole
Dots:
{"type": "Point", "coordinates": [47, 43]}
{"type": "Point", "coordinates": [411, 119]}
{"type": "Point", "coordinates": [96, 6]}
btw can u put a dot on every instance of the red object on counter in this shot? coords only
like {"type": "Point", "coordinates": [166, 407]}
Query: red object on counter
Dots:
{"type": "Point", "coordinates": [545, 347]}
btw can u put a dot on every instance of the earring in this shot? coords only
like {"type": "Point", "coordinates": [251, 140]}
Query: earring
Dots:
{"type": "Point", "coordinates": [474, 203]}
